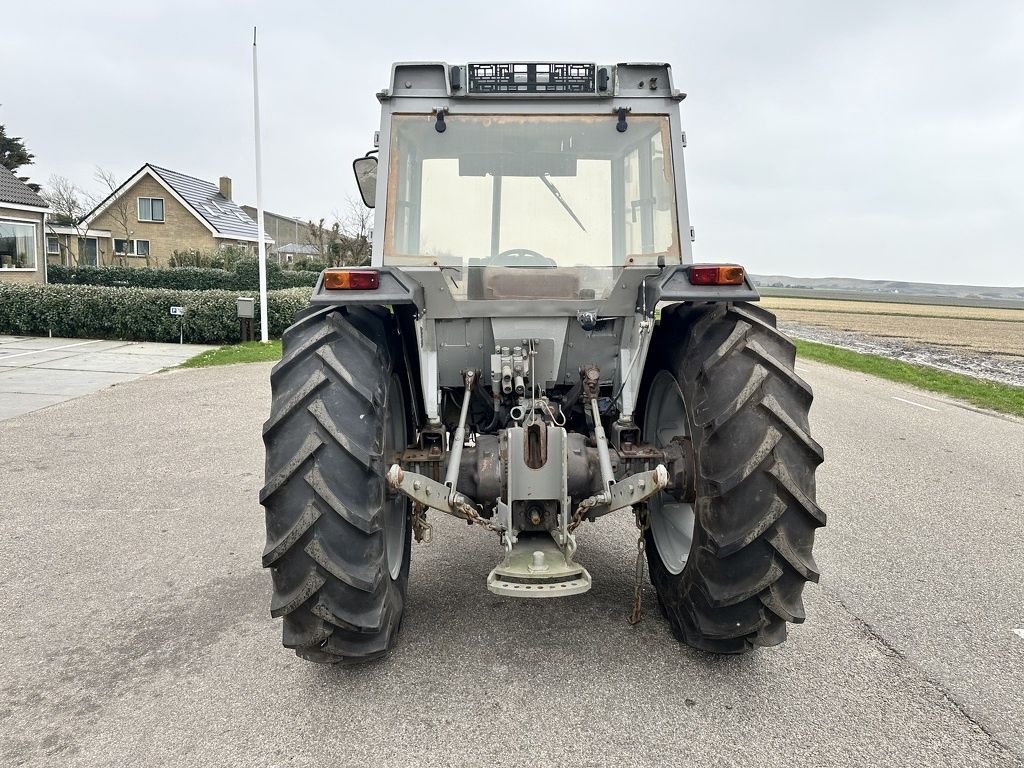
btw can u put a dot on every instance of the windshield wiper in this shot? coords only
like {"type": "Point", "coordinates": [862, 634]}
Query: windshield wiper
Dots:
{"type": "Point", "coordinates": [559, 198]}
{"type": "Point", "coordinates": [457, 272]}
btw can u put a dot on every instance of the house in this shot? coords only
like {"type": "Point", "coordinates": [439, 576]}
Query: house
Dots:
{"type": "Point", "coordinates": [294, 235]}
{"type": "Point", "coordinates": [22, 219]}
{"type": "Point", "coordinates": [154, 213]}
{"type": "Point", "coordinates": [289, 252]}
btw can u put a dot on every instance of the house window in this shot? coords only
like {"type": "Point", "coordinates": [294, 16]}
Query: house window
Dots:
{"type": "Point", "coordinates": [142, 247]}
{"type": "Point", "coordinates": [52, 246]}
{"type": "Point", "coordinates": [123, 247]}
{"type": "Point", "coordinates": [17, 245]}
{"type": "Point", "coordinates": [151, 209]}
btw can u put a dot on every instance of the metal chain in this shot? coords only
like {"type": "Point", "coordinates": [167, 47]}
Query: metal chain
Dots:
{"type": "Point", "coordinates": [577, 519]}
{"type": "Point", "coordinates": [581, 510]}
{"type": "Point", "coordinates": [422, 531]}
{"type": "Point", "coordinates": [472, 516]}
{"type": "Point", "coordinates": [642, 524]}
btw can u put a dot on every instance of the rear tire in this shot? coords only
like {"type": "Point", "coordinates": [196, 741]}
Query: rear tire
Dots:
{"type": "Point", "coordinates": [338, 545]}
{"type": "Point", "coordinates": [737, 581]}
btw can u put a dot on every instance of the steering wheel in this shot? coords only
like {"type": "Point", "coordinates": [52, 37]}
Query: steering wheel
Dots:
{"type": "Point", "coordinates": [520, 257]}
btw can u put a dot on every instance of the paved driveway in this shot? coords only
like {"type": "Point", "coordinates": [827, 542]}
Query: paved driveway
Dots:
{"type": "Point", "coordinates": [38, 372]}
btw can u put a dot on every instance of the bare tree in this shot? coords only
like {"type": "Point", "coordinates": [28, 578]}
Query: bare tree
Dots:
{"type": "Point", "coordinates": [346, 241]}
{"type": "Point", "coordinates": [316, 237]}
{"type": "Point", "coordinates": [326, 239]}
{"type": "Point", "coordinates": [68, 204]}
{"type": "Point", "coordinates": [121, 211]}
{"type": "Point", "coordinates": [356, 225]}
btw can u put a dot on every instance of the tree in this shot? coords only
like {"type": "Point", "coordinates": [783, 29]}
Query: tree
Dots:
{"type": "Point", "coordinates": [326, 240]}
{"type": "Point", "coordinates": [68, 204]}
{"type": "Point", "coordinates": [355, 228]}
{"type": "Point", "coordinates": [121, 211]}
{"type": "Point", "coordinates": [346, 241]}
{"type": "Point", "coordinates": [13, 153]}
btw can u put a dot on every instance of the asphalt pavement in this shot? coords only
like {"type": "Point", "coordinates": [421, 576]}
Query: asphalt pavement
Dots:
{"type": "Point", "coordinates": [137, 629]}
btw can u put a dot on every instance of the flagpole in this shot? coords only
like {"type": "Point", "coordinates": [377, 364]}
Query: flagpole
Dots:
{"type": "Point", "coordinates": [264, 332]}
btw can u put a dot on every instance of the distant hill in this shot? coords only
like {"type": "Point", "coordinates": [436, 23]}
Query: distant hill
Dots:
{"type": "Point", "coordinates": [890, 287]}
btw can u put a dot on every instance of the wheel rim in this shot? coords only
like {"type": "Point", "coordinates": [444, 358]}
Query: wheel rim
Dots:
{"type": "Point", "coordinates": [395, 505]}
{"type": "Point", "coordinates": [671, 521]}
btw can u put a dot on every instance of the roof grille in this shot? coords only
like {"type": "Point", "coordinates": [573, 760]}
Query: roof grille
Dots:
{"type": "Point", "coordinates": [531, 78]}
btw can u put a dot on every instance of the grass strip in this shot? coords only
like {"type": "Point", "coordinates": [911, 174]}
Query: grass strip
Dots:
{"type": "Point", "coordinates": [986, 394]}
{"type": "Point", "coordinates": [230, 354]}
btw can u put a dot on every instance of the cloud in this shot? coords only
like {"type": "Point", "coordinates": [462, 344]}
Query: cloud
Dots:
{"type": "Point", "coordinates": [870, 139]}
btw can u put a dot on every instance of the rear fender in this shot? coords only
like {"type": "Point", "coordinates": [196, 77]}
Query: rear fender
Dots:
{"type": "Point", "coordinates": [674, 286]}
{"type": "Point", "coordinates": [395, 288]}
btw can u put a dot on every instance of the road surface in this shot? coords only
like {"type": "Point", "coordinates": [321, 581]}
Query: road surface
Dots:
{"type": "Point", "coordinates": [137, 631]}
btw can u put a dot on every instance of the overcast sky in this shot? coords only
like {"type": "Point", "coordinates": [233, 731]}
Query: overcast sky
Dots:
{"type": "Point", "coordinates": [863, 139]}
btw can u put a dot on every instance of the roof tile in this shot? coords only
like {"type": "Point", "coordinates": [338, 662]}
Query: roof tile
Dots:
{"type": "Point", "coordinates": [14, 190]}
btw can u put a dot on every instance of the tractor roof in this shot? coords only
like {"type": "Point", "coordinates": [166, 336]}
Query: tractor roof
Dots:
{"type": "Point", "coordinates": [530, 80]}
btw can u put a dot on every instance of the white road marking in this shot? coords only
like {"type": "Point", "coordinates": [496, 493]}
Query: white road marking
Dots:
{"type": "Point", "coordinates": [932, 397]}
{"type": "Point", "coordinates": [911, 402]}
{"type": "Point", "coordinates": [1019, 633]}
{"type": "Point", "coordinates": [49, 349]}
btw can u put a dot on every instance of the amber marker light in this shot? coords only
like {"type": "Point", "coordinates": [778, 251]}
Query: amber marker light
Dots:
{"type": "Point", "coordinates": [717, 274]}
{"type": "Point", "coordinates": [351, 280]}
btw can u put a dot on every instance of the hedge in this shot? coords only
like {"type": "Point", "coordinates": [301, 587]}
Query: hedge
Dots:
{"type": "Point", "coordinates": [244, 277]}
{"type": "Point", "coordinates": [137, 314]}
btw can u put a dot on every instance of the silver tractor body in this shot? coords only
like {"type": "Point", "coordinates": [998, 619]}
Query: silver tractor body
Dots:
{"type": "Point", "coordinates": [532, 348]}
{"type": "Point", "coordinates": [533, 217]}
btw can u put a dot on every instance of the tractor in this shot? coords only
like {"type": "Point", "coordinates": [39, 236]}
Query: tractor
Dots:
{"type": "Point", "coordinates": [531, 349]}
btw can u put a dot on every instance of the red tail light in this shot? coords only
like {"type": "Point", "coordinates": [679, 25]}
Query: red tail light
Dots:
{"type": "Point", "coordinates": [717, 274]}
{"type": "Point", "coordinates": [351, 279]}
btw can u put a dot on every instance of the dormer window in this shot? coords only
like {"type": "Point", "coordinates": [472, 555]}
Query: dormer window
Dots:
{"type": "Point", "coordinates": [151, 209]}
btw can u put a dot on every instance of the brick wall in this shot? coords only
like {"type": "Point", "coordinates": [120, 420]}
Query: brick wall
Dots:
{"type": "Point", "coordinates": [282, 230]}
{"type": "Point", "coordinates": [180, 229]}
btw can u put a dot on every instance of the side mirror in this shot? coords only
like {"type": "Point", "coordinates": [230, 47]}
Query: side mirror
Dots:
{"type": "Point", "coordinates": [365, 169]}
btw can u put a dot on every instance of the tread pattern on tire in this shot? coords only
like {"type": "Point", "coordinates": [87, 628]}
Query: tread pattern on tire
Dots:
{"type": "Point", "coordinates": [325, 491]}
{"type": "Point", "coordinates": [756, 513]}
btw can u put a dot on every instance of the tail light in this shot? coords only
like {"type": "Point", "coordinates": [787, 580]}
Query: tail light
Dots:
{"type": "Point", "coordinates": [351, 279]}
{"type": "Point", "coordinates": [717, 274]}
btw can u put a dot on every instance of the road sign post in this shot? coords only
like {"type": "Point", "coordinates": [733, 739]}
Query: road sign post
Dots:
{"type": "Point", "coordinates": [179, 312]}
